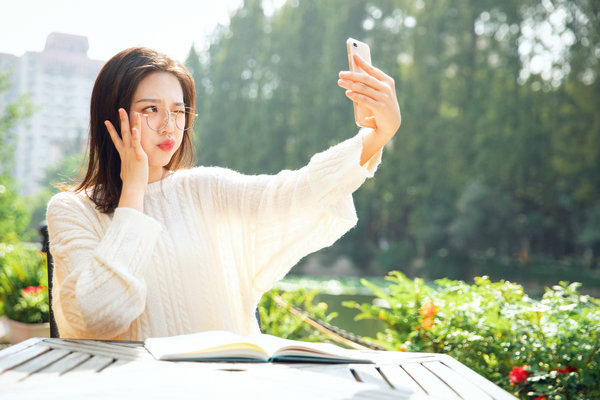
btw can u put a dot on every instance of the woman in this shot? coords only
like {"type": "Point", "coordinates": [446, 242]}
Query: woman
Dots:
{"type": "Point", "coordinates": [145, 248]}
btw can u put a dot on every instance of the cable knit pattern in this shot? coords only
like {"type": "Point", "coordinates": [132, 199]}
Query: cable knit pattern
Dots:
{"type": "Point", "coordinates": [210, 242]}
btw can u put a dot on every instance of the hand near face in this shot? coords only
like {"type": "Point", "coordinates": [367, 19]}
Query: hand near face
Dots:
{"type": "Point", "coordinates": [376, 91]}
{"type": "Point", "coordinates": [134, 161]}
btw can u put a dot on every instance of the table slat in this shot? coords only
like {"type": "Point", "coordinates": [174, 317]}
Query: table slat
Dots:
{"type": "Point", "coordinates": [399, 378]}
{"type": "Point", "coordinates": [369, 374]}
{"type": "Point", "coordinates": [18, 347]}
{"type": "Point", "coordinates": [32, 366]}
{"type": "Point", "coordinates": [66, 364]}
{"type": "Point", "coordinates": [95, 363]}
{"type": "Point", "coordinates": [478, 380]}
{"type": "Point", "coordinates": [337, 370]}
{"type": "Point", "coordinates": [20, 357]}
{"type": "Point", "coordinates": [465, 388]}
{"type": "Point", "coordinates": [429, 382]}
{"type": "Point", "coordinates": [100, 348]}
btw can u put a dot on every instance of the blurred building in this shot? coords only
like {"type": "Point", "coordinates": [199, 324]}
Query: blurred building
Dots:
{"type": "Point", "coordinates": [58, 82]}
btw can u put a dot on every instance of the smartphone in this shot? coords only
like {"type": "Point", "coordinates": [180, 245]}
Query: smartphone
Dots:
{"type": "Point", "coordinates": [362, 115]}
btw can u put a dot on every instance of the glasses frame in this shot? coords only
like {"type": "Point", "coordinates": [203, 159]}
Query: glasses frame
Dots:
{"type": "Point", "coordinates": [189, 113]}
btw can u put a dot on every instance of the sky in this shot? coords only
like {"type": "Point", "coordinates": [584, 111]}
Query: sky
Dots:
{"type": "Point", "coordinates": [113, 25]}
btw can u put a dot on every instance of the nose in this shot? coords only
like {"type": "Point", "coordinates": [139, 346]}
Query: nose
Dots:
{"type": "Point", "coordinates": [169, 124]}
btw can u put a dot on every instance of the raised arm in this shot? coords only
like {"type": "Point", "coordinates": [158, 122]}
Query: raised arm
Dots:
{"type": "Point", "coordinates": [284, 217]}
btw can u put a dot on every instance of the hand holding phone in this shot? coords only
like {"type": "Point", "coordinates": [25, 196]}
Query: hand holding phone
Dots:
{"type": "Point", "coordinates": [362, 115]}
{"type": "Point", "coordinates": [375, 101]}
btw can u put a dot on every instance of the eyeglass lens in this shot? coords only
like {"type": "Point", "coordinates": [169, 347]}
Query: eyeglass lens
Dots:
{"type": "Point", "coordinates": [159, 119]}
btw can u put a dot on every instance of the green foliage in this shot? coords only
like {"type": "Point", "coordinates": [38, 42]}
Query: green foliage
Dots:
{"type": "Point", "coordinates": [10, 114]}
{"type": "Point", "coordinates": [63, 173]}
{"type": "Point", "coordinates": [277, 320]}
{"type": "Point", "coordinates": [23, 283]}
{"type": "Point", "coordinates": [481, 215]}
{"type": "Point", "coordinates": [13, 213]}
{"type": "Point", "coordinates": [493, 327]}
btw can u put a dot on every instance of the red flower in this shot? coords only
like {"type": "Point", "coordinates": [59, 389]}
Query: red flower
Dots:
{"type": "Point", "coordinates": [566, 370]}
{"type": "Point", "coordinates": [542, 397]}
{"type": "Point", "coordinates": [30, 290]}
{"type": "Point", "coordinates": [519, 374]}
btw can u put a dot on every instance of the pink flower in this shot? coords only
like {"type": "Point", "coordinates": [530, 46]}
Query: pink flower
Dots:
{"type": "Point", "coordinates": [519, 374]}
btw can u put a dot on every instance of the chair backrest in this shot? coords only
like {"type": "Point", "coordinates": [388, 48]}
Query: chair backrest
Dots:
{"type": "Point", "coordinates": [50, 263]}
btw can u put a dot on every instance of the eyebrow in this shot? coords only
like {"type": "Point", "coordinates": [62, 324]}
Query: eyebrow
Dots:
{"type": "Point", "coordinates": [150, 100]}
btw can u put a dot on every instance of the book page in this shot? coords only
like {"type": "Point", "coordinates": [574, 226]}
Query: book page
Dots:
{"type": "Point", "coordinates": [210, 344]}
{"type": "Point", "coordinates": [227, 346]}
{"type": "Point", "coordinates": [280, 348]}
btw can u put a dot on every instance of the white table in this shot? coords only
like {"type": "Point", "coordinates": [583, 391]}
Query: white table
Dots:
{"type": "Point", "coordinates": [43, 368]}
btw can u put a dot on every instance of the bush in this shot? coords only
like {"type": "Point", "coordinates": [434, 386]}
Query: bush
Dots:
{"type": "Point", "coordinates": [13, 213]}
{"type": "Point", "coordinates": [529, 347]}
{"type": "Point", "coordinates": [279, 321]}
{"type": "Point", "coordinates": [23, 283]}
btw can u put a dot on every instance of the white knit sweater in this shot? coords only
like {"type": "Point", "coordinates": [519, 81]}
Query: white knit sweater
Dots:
{"type": "Point", "coordinates": [209, 243]}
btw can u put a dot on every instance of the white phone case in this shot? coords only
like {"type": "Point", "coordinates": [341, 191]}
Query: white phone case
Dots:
{"type": "Point", "coordinates": [362, 115]}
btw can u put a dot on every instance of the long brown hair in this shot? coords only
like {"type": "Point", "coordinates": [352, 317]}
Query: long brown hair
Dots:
{"type": "Point", "coordinates": [114, 88]}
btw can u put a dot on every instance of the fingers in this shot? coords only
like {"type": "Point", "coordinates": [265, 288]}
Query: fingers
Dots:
{"type": "Point", "coordinates": [136, 143]}
{"type": "Point", "coordinates": [372, 83]}
{"type": "Point", "coordinates": [373, 71]}
{"type": "Point", "coordinates": [137, 121]}
{"type": "Point", "coordinates": [125, 128]}
{"type": "Point", "coordinates": [371, 76]}
{"type": "Point", "coordinates": [114, 136]}
{"type": "Point", "coordinates": [365, 79]}
{"type": "Point", "coordinates": [130, 134]}
{"type": "Point", "coordinates": [369, 102]}
{"type": "Point", "coordinates": [136, 137]}
{"type": "Point", "coordinates": [362, 88]}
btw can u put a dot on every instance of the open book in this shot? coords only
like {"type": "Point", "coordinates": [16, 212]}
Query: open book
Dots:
{"type": "Point", "coordinates": [228, 346]}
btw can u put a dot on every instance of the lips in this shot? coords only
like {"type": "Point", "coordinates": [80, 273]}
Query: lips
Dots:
{"type": "Point", "coordinates": [167, 145]}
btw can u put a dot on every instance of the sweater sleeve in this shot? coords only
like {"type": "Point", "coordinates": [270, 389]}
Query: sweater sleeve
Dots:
{"type": "Point", "coordinates": [98, 271]}
{"type": "Point", "coordinates": [295, 213]}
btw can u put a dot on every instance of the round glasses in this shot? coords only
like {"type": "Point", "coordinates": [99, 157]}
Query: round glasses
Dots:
{"type": "Point", "coordinates": [158, 118]}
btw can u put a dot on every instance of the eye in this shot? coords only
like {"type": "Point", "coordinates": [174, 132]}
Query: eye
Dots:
{"type": "Point", "coordinates": [179, 112]}
{"type": "Point", "coordinates": [150, 110]}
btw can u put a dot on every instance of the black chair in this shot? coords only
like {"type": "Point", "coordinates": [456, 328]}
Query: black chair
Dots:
{"type": "Point", "coordinates": [46, 249]}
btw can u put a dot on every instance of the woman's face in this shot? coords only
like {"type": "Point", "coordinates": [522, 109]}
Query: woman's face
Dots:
{"type": "Point", "coordinates": [157, 94]}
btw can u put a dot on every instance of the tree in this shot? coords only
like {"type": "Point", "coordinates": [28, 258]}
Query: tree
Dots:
{"type": "Point", "coordinates": [62, 174]}
{"type": "Point", "coordinates": [476, 108]}
{"type": "Point", "coordinates": [13, 216]}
